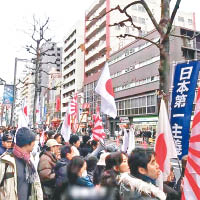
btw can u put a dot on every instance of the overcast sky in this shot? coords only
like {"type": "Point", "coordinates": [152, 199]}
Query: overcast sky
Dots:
{"type": "Point", "coordinates": [16, 16]}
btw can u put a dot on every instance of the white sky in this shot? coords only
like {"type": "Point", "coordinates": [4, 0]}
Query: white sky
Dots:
{"type": "Point", "coordinates": [16, 16]}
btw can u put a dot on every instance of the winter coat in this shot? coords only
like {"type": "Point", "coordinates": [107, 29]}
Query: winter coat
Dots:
{"type": "Point", "coordinates": [61, 171]}
{"type": "Point", "coordinates": [132, 188]}
{"type": "Point", "coordinates": [97, 174]}
{"type": "Point", "coordinates": [8, 191]}
{"type": "Point", "coordinates": [84, 182]}
{"type": "Point", "coordinates": [46, 168]}
{"type": "Point", "coordinates": [47, 175]}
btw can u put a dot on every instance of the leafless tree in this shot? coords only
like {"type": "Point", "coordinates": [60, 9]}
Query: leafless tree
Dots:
{"type": "Point", "coordinates": [163, 27]}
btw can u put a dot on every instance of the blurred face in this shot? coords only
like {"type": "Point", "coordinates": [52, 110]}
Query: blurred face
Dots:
{"type": "Point", "coordinates": [59, 139]}
{"type": "Point", "coordinates": [77, 144]}
{"type": "Point", "coordinates": [7, 144]}
{"type": "Point", "coordinates": [124, 165]}
{"type": "Point", "coordinates": [152, 170]}
{"type": "Point", "coordinates": [29, 147]}
{"type": "Point", "coordinates": [171, 176]}
{"type": "Point", "coordinates": [70, 155]}
{"type": "Point", "coordinates": [55, 150]}
{"type": "Point", "coordinates": [83, 169]}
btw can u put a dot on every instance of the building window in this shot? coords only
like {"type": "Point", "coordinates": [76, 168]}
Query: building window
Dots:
{"type": "Point", "coordinates": [134, 7]}
{"type": "Point", "coordinates": [141, 8]}
{"type": "Point", "coordinates": [180, 19]}
{"type": "Point", "coordinates": [190, 22]}
{"type": "Point", "coordinates": [137, 105]}
{"type": "Point", "coordinates": [141, 20]}
{"type": "Point", "coordinates": [134, 18]}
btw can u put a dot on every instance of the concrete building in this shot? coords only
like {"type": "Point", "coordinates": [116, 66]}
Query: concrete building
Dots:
{"type": "Point", "coordinates": [73, 64]}
{"type": "Point", "coordinates": [101, 39]}
{"type": "Point", "coordinates": [135, 77]}
{"type": "Point", "coordinates": [51, 64]}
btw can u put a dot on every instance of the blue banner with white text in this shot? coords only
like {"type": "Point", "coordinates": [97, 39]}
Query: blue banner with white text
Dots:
{"type": "Point", "coordinates": [185, 83]}
{"type": "Point", "coordinates": [8, 95]}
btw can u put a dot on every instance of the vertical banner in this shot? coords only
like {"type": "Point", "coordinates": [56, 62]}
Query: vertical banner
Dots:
{"type": "Point", "coordinates": [8, 95]}
{"type": "Point", "coordinates": [184, 85]}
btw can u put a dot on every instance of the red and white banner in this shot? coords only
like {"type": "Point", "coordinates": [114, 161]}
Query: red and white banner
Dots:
{"type": "Point", "coordinates": [98, 130]}
{"type": "Point", "coordinates": [191, 188]}
{"type": "Point", "coordinates": [164, 146]}
{"type": "Point", "coordinates": [105, 90]}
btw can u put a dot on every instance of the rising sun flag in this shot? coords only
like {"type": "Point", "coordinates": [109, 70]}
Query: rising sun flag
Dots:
{"type": "Point", "coordinates": [191, 188]}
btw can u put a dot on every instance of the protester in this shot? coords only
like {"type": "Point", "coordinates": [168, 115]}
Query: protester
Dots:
{"type": "Point", "coordinates": [100, 168]}
{"type": "Point", "coordinates": [46, 168]}
{"type": "Point", "coordinates": [116, 163]}
{"type": "Point", "coordinates": [77, 173]}
{"type": "Point", "coordinates": [141, 183]}
{"type": "Point", "coordinates": [58, 138]}
{"type": "Point", "coordinates": [91, 165]}
{"type": "Point", "coordinates": [85, 147]}
{"type": "Point", "coordinates": [75, 142]}
{"type": "Point", "coordinates": [7, 142]}
{"type": "Point", "coordinates": [67, 154]}
{"type": "Point", "coordinates": [179, 184]}
{"type": "Point", "coordinates": [18, 177]}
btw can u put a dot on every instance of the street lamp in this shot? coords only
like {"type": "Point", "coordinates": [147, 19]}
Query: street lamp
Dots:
{"type": "Point", "coordinates": [14, 86]}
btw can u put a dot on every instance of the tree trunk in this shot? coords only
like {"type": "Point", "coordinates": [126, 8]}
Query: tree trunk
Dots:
{"type": "Point", "coordinates": [36, 84]}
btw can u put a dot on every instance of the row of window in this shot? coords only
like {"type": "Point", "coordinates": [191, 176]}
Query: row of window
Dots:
{"type": "Point", "coordinates": [137, 66]}
{"type": "Point", "coordinates": [69, 84]}
{"type": "Point", "coordinates": [131, 51]}
{"type": "Point", "coordinates": [182, 19]}
{"type": "Point", "coordinates": [136, 83]}
{"type": "Point", "coordinates": [137, 105]}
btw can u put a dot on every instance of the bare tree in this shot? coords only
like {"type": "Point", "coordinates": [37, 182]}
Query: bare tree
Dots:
{"type": "Point", "coordinates": [163, 27]}
{"type": "Point", "coordinates": [38, 50]}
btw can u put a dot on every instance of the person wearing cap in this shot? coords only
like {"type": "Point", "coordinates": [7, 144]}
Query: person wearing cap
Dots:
{"type": "Point", "coordinates": [7, 141]}
{"type": "Point", "coordinates": [19, 179]}
{"type": "Point", "coordinates": [46, 167]}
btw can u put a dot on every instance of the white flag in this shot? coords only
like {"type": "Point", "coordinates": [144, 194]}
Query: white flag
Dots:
{"type": "Point", "coordinates": [66, 126]}
{"type": "Point", "coordinates": [131, 145]}
{"type": "Point", "coordinates": [23, 116]}
{"type": "Point", "coordinates": [105, 90]}
{"type": "Point", "coordinates": [164, 147]}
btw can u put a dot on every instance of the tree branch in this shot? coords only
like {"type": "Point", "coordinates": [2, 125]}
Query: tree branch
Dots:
{"type": "Point", "coordinates": [176, 7]}
{"type": "Point", "coordinates": [141, 38]}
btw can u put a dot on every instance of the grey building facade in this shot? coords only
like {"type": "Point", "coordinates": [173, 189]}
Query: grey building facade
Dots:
{"type": "Point", "coordinates": [135, 76]}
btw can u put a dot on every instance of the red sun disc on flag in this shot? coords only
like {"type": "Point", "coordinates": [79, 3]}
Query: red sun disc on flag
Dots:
{"type": "Point", "coordinates": [161, 147]}
{"type": "Point", "coordinates": [109, 88]}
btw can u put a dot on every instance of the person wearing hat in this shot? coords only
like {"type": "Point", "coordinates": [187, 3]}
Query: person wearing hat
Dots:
{"type": "Point", "coordinates": [7, 141]}
{"type": "Point", "coordinates": [46, 167]}
{"type": "Point", "coordinates": [19, 179]}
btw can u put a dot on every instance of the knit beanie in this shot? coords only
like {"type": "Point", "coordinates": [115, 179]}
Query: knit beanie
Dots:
{"type": "Point", "coordinates": [24, 136]}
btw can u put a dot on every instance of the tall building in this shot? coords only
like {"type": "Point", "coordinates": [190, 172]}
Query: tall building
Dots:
{"type": "Point", "coordinates": [101, 39]}
{"type": "Point", "coordinates": [135, 77]}
{"type": "Point", "coordinates": [51, 64]}
{"type": "Point", "coordinates": [73, 64]}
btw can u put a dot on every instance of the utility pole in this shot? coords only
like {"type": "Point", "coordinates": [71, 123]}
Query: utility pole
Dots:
{"type": "Point", "coordinates": [14, 93]}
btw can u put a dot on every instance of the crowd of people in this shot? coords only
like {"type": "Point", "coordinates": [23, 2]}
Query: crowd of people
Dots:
{"type": "Point", "coordinates": [79, 169]}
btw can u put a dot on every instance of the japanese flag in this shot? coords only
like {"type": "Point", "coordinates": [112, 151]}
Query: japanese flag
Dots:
{"type": "Point", "coordinates": [66, 126]}
{"type": "Point", "coordinates": [23, 116]}
{"type": "Point", "coordinates": [164, 146]}
{"type": "Point", "coordinates": [105, 90]}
